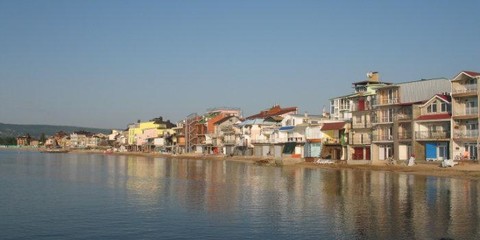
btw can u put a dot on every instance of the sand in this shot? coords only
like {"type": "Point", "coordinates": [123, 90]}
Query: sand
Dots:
{"type": "Point", "coordinates": [466, 170]}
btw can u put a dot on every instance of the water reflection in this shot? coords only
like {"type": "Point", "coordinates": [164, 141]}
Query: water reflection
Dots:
{"type": "Point", "coordinates": [280, 202]}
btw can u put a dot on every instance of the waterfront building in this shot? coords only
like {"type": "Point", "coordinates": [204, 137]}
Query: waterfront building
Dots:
{"type": "Point", "coordinates": [141, 135]}
{"type": "Point", "coordinates": [78, 139]}
{"type": "Point", "coordinates": [24, 140]}
{"type": "Point", "coordinates": [199, 130]}
{"type": "Point", "coordinates": [465, 114]}
{"type": "Point", "coordinates": [178, 138]}
{"type": "Point", "coordinates": [432, 128]}
{"type": "Point", "coordinates": [334, 140]}
{"type": "Point", "coordinates": [393, 116]}
{"type": "Point", "coordinates": [293, 136]}
{"type": "Point", "coordinates": [361, 110]}
{"type": "Point", "coordinates": [340, 108]}
{"type": "Point", "coordinates": [380, 118]}
{"type": "Point", "coordinates": [226, 134]}
{"type": "Point", "coordinates": [257, 128]}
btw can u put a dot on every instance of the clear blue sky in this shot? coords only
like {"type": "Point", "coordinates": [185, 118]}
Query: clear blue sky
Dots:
{"type": "Point", "coordinates": [109, 63]}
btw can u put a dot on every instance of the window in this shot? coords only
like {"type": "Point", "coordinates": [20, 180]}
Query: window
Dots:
{"type": "Point", "coordinates": [390, 115]}
{"type": "Point", "coordinates": [444, 107]}
{"type": "Point", "coordinates": [432, 108]}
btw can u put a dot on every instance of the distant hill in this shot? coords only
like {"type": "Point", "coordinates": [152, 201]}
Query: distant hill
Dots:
{"type": "Point", "coordinates": [15, 130]}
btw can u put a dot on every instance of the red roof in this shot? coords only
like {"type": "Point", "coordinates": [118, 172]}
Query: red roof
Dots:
{"type": "Point", "coordinates": [274, 111]}
{"type": "Point", "coordinates": [469, 73]}
{"type": "Point", "coordinates": [473, 74]}
{"type": "Point", "coordinates": [333, 126]}
{"type": "Point", "coordinates": [447, 98]}
{"type": "Point", "coordinates": [435, 116]}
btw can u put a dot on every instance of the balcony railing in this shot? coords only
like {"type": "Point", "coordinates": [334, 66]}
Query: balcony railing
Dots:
{"type": "Point", "coordinates": [388, 101]}
{"type": "Point", "coordinates": [383, 137]}
{"type": "Point", "coordinates": [279, 140]}
{"type": "Point", "coordinates": [467, 88]}
{"type": "Point", "coordinates": [467, 111]}
{"type": "Point", "coordinates": [260, 141]}
{"type": "Point", "coordinates": [403, 116]}
{"type": "Point", "coordinates": [385, 119]}
{"type": "Point", "coordinates": [360, 139]}
{"type": "Point", "coordinates": [230, 142]}
{"type": "Point", "coordinates": [362, 125]}
{"type": "Point", "coordinates": [332, 141]}
{"type": "Point", "coordinates": [432, 134]}
{"type": "Point", "coordinates": [404, 135]}
{"type": "Point", "coordinates": [473, 133]}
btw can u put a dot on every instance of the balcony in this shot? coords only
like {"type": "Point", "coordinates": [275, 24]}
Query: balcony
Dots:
{"type": "Point", "coordinates": [382, 138]}
{"type": "Point", "coordinates": [362, 125]}
{"type": "Point", "coordinates": [260, 141]}
{"type": "Point", "coordinates": [359, 139]}
{"type": "Point", "coordinates": [471, 112]}
{"type": "Point", "coordinates": [230, 142]}
{"type": "Point", "coordinates": [465, 90]}
{"type": "Point", "coordinates": [404, 116]}
{"type": "Point", "coordinates": [473, 133]}
{"type": "Point", "coordinates": [387, 101]}
{"type": "Point", "coordinates": [383, 120]}
{"type": "Point", "coordinates": [423, 135]}
{"type": "Point", "coordinates": [404, 135]}
{"type": "Point", "coordinates": [332, 141]}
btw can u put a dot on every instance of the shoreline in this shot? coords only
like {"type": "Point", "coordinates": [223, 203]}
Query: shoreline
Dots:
{"type": "Point", "coordinates": [462, 171]}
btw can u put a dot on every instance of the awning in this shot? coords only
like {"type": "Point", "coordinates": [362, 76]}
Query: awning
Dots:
{"type": "Point", "coordinates": [286, 128]}
{"type": "Point", "coordinates": [443, 116]}
{"type": "Point", "coordinates": [333, 126]}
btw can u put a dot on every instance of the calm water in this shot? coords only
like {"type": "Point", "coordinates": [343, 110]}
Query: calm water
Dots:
{"type": "Point", "coordinates": [69, 196]}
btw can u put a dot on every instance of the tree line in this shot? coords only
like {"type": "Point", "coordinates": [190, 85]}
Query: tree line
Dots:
{"type": "Point", "coordinates": [8, 141]}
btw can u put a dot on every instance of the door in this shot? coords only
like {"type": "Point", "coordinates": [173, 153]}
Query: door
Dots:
{"type": "Point", "coordinates": [385, 151]}
{"type": "Point", "coordinates": [367, 153]}
{"type": "Point", "coordinates": [431, 151]}
{"type": "Point", "coordinates": [442, 151]}
{"type": "Point", "coordinates": [358, 153]}
{"type": "Point", "coordinates": [471, 148]}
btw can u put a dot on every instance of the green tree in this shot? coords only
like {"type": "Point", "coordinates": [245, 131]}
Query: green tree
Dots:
{"type": "Point", "coordinates": [42, 138]}
{"type": "Point", "coordinates": [8, 141]}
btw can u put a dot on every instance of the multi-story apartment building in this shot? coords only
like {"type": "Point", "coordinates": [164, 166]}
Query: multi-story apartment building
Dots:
{"type": "Point", "coordinates": [432, 128]}
{"type": "Point", "coordinates": [340, 108]}
{"type": "Point", "coordinates": [361, 108]}
{"type": "Point", "coordinates": [465, 97]}
{"type": "Point", "coordinates": [393, 116]}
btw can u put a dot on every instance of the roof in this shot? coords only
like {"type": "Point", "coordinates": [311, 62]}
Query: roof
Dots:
{"type": "Point", "coordinates": [344, 96]}
{"type": "Point", "coordinates": [275, 118]}
{"type": "Point", "coordinates": [367, 82]}
{"type": "Point", "coordinates": [255, 122]}
{"type": "Point", "coordinates": [418, 91]}
{"type": "Point", "coordinates": [273, 111]}
{"type": "Point", "coordinates": [333, 126]}
{"type": "Point", "coordinates": [435, 116]}
{"type": "Point", "coordinates": [472, 74]}
{"type": "Point", "coordinates": [224, 119]}
{"type": "Point", "coordinates": [286, 128]}
{"type": "Point", "coordinates": [442, 97]}
{"type": "Point", "coordinates": [468, 73]}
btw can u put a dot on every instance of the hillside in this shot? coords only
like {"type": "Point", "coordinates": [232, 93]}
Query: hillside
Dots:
{"type": "Point", "coordinates": [14, 130]}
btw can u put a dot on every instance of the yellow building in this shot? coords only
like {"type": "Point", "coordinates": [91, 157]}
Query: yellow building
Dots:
{"type": "Point", "coordinates": [138, 129]}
